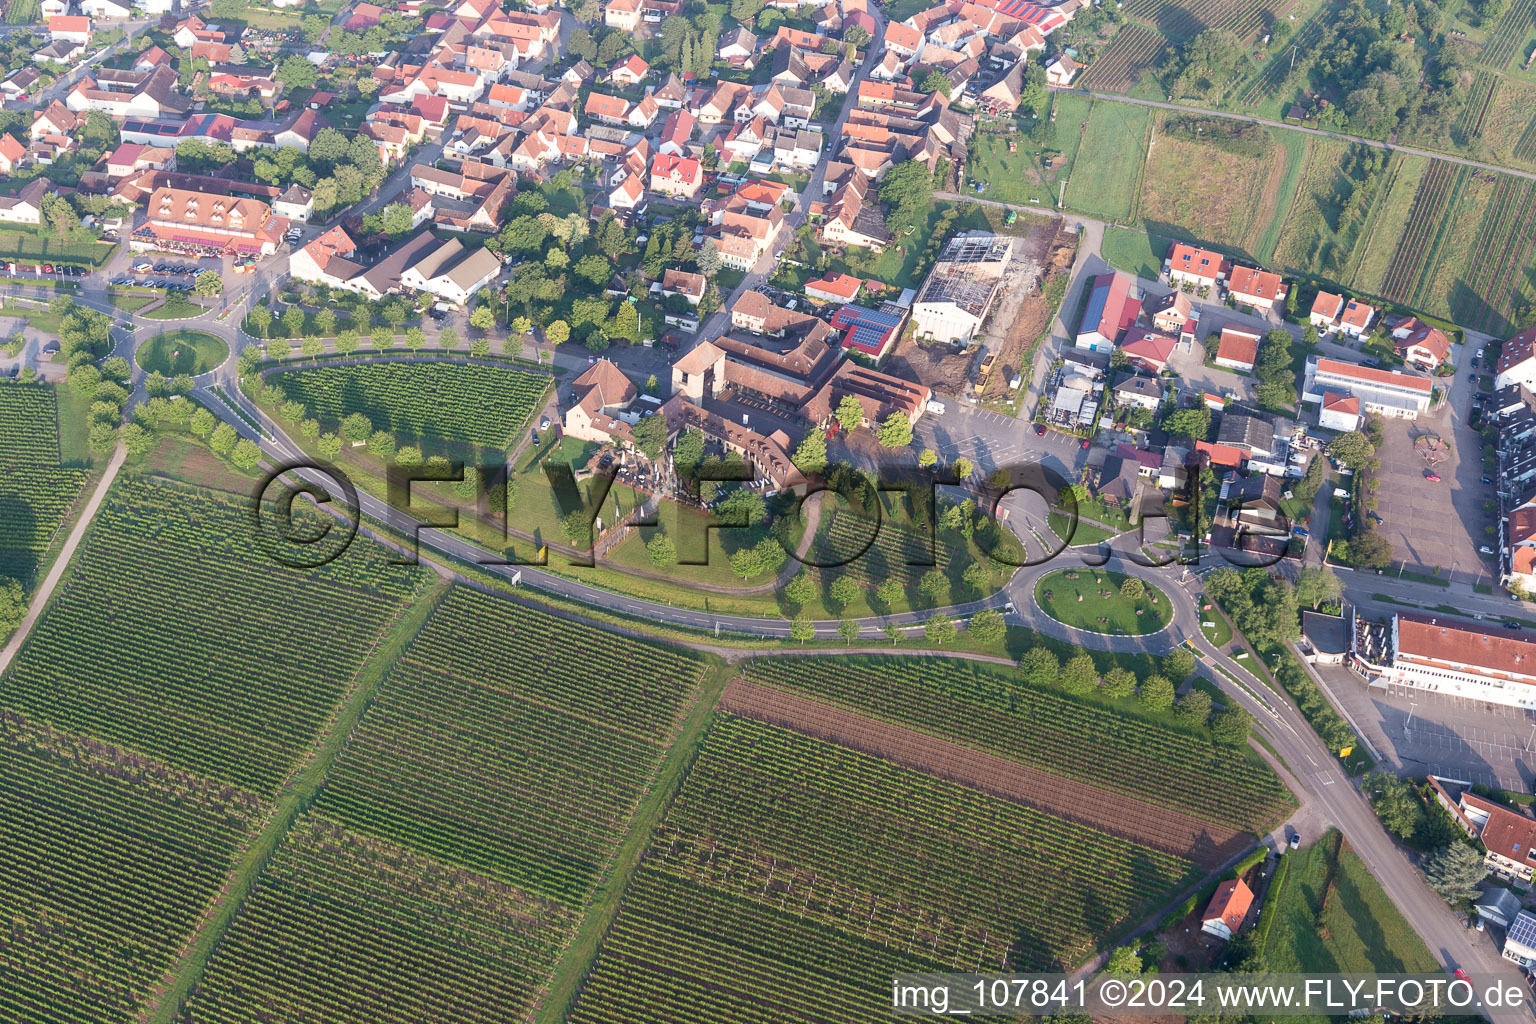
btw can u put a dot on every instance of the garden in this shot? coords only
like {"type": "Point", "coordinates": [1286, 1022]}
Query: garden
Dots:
{"type": "Point", "coordinates": [178, 352]}
{"type": "Point", "coordinates": [1100, 601]}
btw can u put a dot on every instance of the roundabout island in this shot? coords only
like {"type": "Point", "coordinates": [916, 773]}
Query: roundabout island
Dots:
{"type": "Point", "coordinates": [182, 351]}
{"type": "Point", "coordinates": [1100, 601]}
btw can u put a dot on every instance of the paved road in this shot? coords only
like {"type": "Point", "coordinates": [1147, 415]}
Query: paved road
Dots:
{"type": "Point", "coordinates": [1362, 140]}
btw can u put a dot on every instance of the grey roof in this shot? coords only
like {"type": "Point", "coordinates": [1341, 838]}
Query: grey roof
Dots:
{"type": "Point", "coordinates": [1328, 634]}
{"type": "Point", "coordinates": [1498, 905]}
{"type": "Point", "coordinates": [1241, 430]}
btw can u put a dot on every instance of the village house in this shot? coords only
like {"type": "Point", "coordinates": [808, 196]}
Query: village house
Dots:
{"type": "Point", "coordinates": [1260, 289]}
{"type": "Point", "coordinates": [1237, 349]}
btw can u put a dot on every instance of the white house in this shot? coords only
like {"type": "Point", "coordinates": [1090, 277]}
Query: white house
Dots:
{"type": "Point", "coordinates": [103, 9]}
{"type": "Point", "coordinates": [1517, 361]}
{"type": "Point", "coordinates": [1387, 392]}
{"type": "Point", "coordinates": [296, 203]}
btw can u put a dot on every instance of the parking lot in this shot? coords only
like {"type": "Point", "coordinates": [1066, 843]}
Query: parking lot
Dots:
{"type": "Point", "coordinates": [1429, 530]}
{"type": "Point", "coordinates": [1430, 733]}
{"type": "Point", "coordinates": [174, 275]}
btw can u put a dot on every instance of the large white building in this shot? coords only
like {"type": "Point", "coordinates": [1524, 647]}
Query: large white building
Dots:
{"type": "Point", "coordinates": [961, 288]}
{"type": "Point", "coordinates": [1387, 392]}
{"type": "Point", "coordinates": [1448, 657]}
{"type": "Point", "coordinates": [1517, 361]}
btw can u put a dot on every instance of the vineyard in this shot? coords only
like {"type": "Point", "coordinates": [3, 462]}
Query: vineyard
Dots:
{"type": "Point", "coordinates": [1469, 122]}
{"type": "Point", "coordinates": [1504, 41]}
{"type": "Point", "coordinates": [458, 835]}
{"type": "Point", "coordinates": [1491, 286]}
{"type": "Point", "coordinates": [873, 551]}
{"type": "Point", "coordinates": [781, 847]}
{"type": "Point", "coordinates": [1436, 194]}
{"type": "Point", "coordinates": [36, 493]}
{"type": "Point", "coordinates": [1182, 19]}
{"type": "Point", "coordinates": [1525, 149]}
{"type": "Point", "coordinates": [998, 713]}
{"type": "Point", "coordinates": [23, 12]}
{"type": "Point", "coordinates": [464, 403]}
{"type": "Point", "coordinates": [1274, 71]}
{"type": "Point", "coordinates": [403, 937]}
{"type": "Point", "coordinates": [177, 637]}
{"type": "Point", "coordinates": [111, 859]}
{"type": "Point", "coordinates": [1134, 49]}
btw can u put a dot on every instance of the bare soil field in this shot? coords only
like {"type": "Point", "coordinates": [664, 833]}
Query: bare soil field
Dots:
{"type": "Point", "coordinates": [1207, 845]}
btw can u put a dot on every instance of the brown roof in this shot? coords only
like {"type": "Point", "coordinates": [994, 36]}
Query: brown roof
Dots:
{"type": "Point", "coordinates": [1487, 649]}
{"type": "Point", "coordinates": [1517, 349]}
{"type": "Point", "coordinates": [1327, 304]}
{"type": "Point", "coordinates": [1231, 903]}
{"type": "Point", "coordinates": [701, 358]}
{"type": "Point", "coordinates": [603, 385]}
{"type": "Point", "coordinates": [1376, 376]}
{"type": "Point", "coordinates": [1261, 283]}
{"type": "Point", "coordinates": [1507, 833]}
{"type": "Point", "coordinates": [1238, 346]}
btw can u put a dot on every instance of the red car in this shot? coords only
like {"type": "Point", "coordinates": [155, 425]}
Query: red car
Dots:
{"type": "Point", "coordinates": [1462, 975]}
{"type": "Point", "coordinates": [1433, 478]}
{"type": "Point", "coordinates": [1086, 442]}
{"type": "Point", "coordinates": [1039, 429]}
{"type": "Point", "coordinates": [47, 268]}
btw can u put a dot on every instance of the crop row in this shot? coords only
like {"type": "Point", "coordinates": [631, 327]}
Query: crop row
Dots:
{"type": "Point", "coordinates": [1409, 257]}
{"type": "Point", "coordinates": [972, 704]}
{"type": "Point", "coordinates": [110, 862]}
{"type": "Point", "coordinates": [458, 402]}
{"type": "Point", "coordinates": [1525, 149]}
{"type": "Point", "coordinates": [513, 743]}
{"type": "Point", "coordinates": [177, 637]}
{"type": "Point", "coordinates": [1134, 47]}
{"type": "Point", "coordinates": [1507, 35]}
{"type": "Point", "coordinates": [795, 874]}
{"type": "Point", "coordinates": [383, 935]}
{"type": "Point", "coordinates": [1179, 19]}
{"type": "Point", "coordinates": [872, 552]}
{"type": "Point", "coordinates": [29, 416]}
{"type": "Point", "coordinates": [1469, 121]}
{"type": "Point", "coordinates": [33, 502]}
{"type": "Point", "coordinates": [1502, 240]}
{"type": "Point", "coordinates": [23, 12]}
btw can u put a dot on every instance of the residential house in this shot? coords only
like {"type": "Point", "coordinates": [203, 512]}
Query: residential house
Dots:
{"type": "Point", "coordinates": [623, 15]}
{"type": "Point", "coordinates": [671, 94]}
{"type": "Point", "coordinates": [54, 119]}
{"type": "Point", "coordinates": [1148, 350]}
{"type": "Point", "coordinates": [680, 177]}
{"type": "Point", "coordinates": [11, 154]}
{"type": "Point", "coordinates": [854, 219]}
{"type": "Point", "coordinates": [60, 51]}
{"type": "Point", "coordinates": [296, 203]}
{"type": "Point", "coordinates": [643, 114]}
{"type": "Point", "coordinates": [1325, 311]}
{"type": "Point", "coordinates": [327, 260]}
{"type": "Point", "coordinates": [1237, 349]}
{"type": "Point", "coordinates": [1517, 361]}
{"type": "Point", "coordinates": [1169, 313]}
{"type": "Point", "coordinates": [1139, 392]}
{"type": "Point", "coordinates": [738, 47]}
{"type": "Point", "coordinates": [189, 221]}
{"type": "Point", "coordinates": [1004, 95]}
{"type": "Point", "coordinates": [105, 10]}
{"type": "Point", "coordinates": [1339, 411]}
{"type": "Point", "coordinates": [1420, 344]}
{"type": "Point", "coordinates": [26, 206]}
{"type": "Point", "coordinates": [72, 29]}
{"type": "Point", "coordinates": [630, 71]}
{"type": "Point", "coordinates": [1260, 289]}
{"type": "Point", "coordinates": [451, 271]}
{"type": "Point", "coordinates": [606, 109]}
{"type": "Point", "coordinates": [681, 282]}
{"type": "Point", "coordinates": [1356, 319]}
{"type": "Point", "coordinates": [130, 94]}
{"type": "Point", "coordinates": [676, 132]}
{"type": "Point", "coordinates": [1200, 268]}
{"type": "Point", "coordinates": [628, 195]}
{"type": "Point", "coordinates": [1508, 836]}
{"type": "Point", "coordinates": [839, 288]}
{"type": "Point", "coordinates": [1060, 70]}
{"type": "Point", "coordinates": [603, 396]}
{"type": "Point", "coordinates": [19, 82]}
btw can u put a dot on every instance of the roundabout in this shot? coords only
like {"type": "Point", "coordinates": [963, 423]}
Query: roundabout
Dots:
{"type": "Point", "coordinates": [1100, 601]}
{"type": "Point", "coordinates": [182, 351]}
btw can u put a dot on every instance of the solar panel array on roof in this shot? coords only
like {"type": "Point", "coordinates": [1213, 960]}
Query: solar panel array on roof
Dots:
{"type": "Point", "coordinates": [1523, 929]}
{"type": "Point", "coordinates": [867, 329]}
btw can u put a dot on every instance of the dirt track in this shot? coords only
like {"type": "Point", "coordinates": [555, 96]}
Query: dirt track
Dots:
{"type": "Point", "coordinates": [1208, 845]}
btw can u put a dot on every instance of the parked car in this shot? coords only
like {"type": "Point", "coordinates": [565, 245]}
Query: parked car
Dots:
{"type": "Point", "coordinates": [1432, 477]}
{"type": "Point", "coordinates": [1487, 479]}
{"type": "Point", "coordinates": [1295, 840]}
{"type": "Point", "coordinates": [1086, 443]}
{"type": "Point", "coordinates": [1039, 429]}
{"type": "Point", "coordinates": [1485, 550]}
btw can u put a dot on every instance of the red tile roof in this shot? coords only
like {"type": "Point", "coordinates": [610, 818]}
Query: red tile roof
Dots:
{"type": "Point", "coordinates": [1327, 304]}
{"type": "Point", "coordinates": [1232, 901]}
{"type": "Point", "coordinates": [1367, 373]}
{"type": "Point", "coordinates": [1517, 349]}
{"type": "Point", "coordinates": [1487, 649]}
{"type": "Point", "coordinates": [1187, 259]}
{"type": "Point", "coordinates": [1259, 283]}
{"type": "Point", "coordinates": [1238, 346]}
{"type": "Point", "coordinates": [1333, 401]}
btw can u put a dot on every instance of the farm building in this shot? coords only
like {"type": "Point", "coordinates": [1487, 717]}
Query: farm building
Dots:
{"type": "Point", "coordinates": [960, 289]}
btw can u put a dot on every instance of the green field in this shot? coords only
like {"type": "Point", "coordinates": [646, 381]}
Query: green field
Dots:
{"type": "Point", "coordinates": [485, 406]}
{"type": "Point", "coordinates": [155, 712]}
{"type": "Point", "coordinates": [462, 829]}
{"type": "Point", "coordinates": [23, 245]}
{"type": "Point", "coordinates": [23, 12]}
{"type": "Point", "coordinates": [1332, 916]}
{"type": "Point", "coordinates": [175, 307]}
{"type": "Point", "coordinates": [996, 711]}
{"type": "Point", "coordinates": [798, 870]}
{"type": "Point", "coordinates": [177, 352]}
{"type": "Point", "coordinates": [1091, 600]}
{"type": "Point", "coordinates": [1135, 252]}
{"type": "Point", "coordinates": [36, 491]}
{"type": "Point", "coordinates": [1108, 165]}
{"type": "Point", "coordinates": [1034, 173]}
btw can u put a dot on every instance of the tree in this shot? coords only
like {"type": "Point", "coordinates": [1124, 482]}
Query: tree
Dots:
{"type": "Point", "coordinates": [744, 506]}
{"type": "Point", "coordinates": [850, 413]}
{"type": "Point", "coordinates": [1133, 589]}
{"type": "Point", "coordinates": [1119, 682]}
{"type": "Point", "coordinates": [223, 439]}
{"type": "Point", "coordinates": [843, 591]}
{"type": "Point", "coordinates": [208, 283]}
{"type": "Point", "coordinates": [381, 444]}
{"type": "Point", "coordinates": [279, 348]}
{"type": "Point", "coordinates": [888, 592]}
{"type": "Point", "coordinates": [312, 347]}
{"type": "Point", "coordinates": [895, 632]}
{"type": "Point", "coordinates": [987, 627]}
{"type": "Point", "coordinates": [848, 629]}
{"type": "Point", "coordinates": [329, 445]}
{"type": "Point", "coordinates": [347, 342]}
{"type": "Point", "coordinates": [1178, 665]}
{"type": "Point", "coordinates": [1353, 449]}
{"type": "Point", "coordinates": [1192, 423]}
{"type": "Point", "coordinates": [298, 73]}
{"type": "Point", "coordinates": [1194, 707]}
{"type": "Point", "coordinates": [939, 629]}
{"type": "Point", "coordinates": [1124, 961]}
{"type": "Point", "coordinates": [1078, 675]}
{"type": "Point", "coordinates": [482, 319]}
{"type": "Point", "coordinates": [1039, 666]}
{"type": "Point", "coordinates": [409, 455]}
{"type": "Point", "coordinates": [1395, 803]}
{"type": "Point", "coordinates": [325, 323]}
{"type": "Point", "coordinates": [1454, 871]}
{"type": "Point", "coordinates": [801, 628]}
{"type": "Point", "coordinates": [933, 585]}
{"type": "Point", "coordinates": [13, 606]}
{"type": "Point", "coordinates": [650, 435]}
{"type": "Point", "coordinates": [415, 339]}
{"type": "Point", "coordinates": [709, 260]}
{"type": "Point", "coordinates": [747, 562]}
{"type": "Point", "coordinates": [810, 455]}
{"type": "Point", "coordinates": [293, 319]}
{"type": "Point", "coordinates": [857, 35]}
{"type": "Point", "coordinates": [977, 576]}
{"type": "Point", "coordinates": [382, 336]}
{"type": "Point", "coordinates": [1370, 550]}
{"type": "Point", "coordinates": [577, 527]}
{"type": "Point", "coordinates": [558, 332]}
{"type": "Point", "coordinates": [263, 319]}
{"type": "Point", "coordinates": [357, 427]}
{"type": "Point", "coordinates": [661, 551]}
{"type": "Point", "coordinates": [202, 422]}
{"type": "Point", "coordinates": [137, 440]}
{"type": "Point", "coordinates": [245, 455]}
{"type": "Point", "coordinates": [801, 589]}
{"type": "Point", "coordinates": [1230, 728]}
{"type": "Point", "coordinates": [935, 81]}
{"type": "Point", "coordinates": [895, 431]}
{"type": "Point", "coordinates": [1156, 693]}
{"type": "Point", "coordinates": [1318, 585]}
{"type": "Point", "coordinates": [396, 219]}
{"type": "Point", "coordinates": [927, 457]}
{"type": "Point", "coordinates": [1309, 335]}
{"type": "Point", "coordinates": [908, 190]}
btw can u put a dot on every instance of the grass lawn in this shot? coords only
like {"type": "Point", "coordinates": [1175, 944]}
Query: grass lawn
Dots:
{"type": "Point", "coordinates": [1135, 252]}
{"type": "Point", "coordinates": [29, 245]}
{"type": "Point", "coordinates": [74, 426]}
{"type": "Point", "coordinates": [37, 316]}
{"type": "Point", "coordinates": [175, 352]}
{"type": "Point", "coordinates": [1108, 165]}
{"type": "Point", "coordinates": [177, 307]}
{"type": "Point", "coordinates": [180, 456]}
{"type": "Point", "coordinates": [1387, 222]}
{"type": "Point", "coordinates": [1331, 915]}
{"type": "Point", "coordinates": [1090, 599]}
{"type": "Point", "coordinates": [132, 300]}
{"type": "Point", "coordinates": [1219, 631]}
{"type": "Point", "coordinates": [1033, 172]}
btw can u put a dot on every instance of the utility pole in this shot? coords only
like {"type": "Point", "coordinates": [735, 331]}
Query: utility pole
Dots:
{"type": "Point", "coordinates": [1293, 59]}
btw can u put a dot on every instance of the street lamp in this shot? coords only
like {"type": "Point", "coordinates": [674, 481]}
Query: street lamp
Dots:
{"type": "Point", "coordinates": [1408, 725]}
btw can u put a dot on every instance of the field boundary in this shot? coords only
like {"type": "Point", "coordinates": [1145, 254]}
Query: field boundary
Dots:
{"type": "Point", "coordinates": [1205, 844]}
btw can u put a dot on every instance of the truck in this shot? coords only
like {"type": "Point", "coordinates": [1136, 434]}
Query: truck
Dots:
{"type": "Point", "coordinates": [936, 407]}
